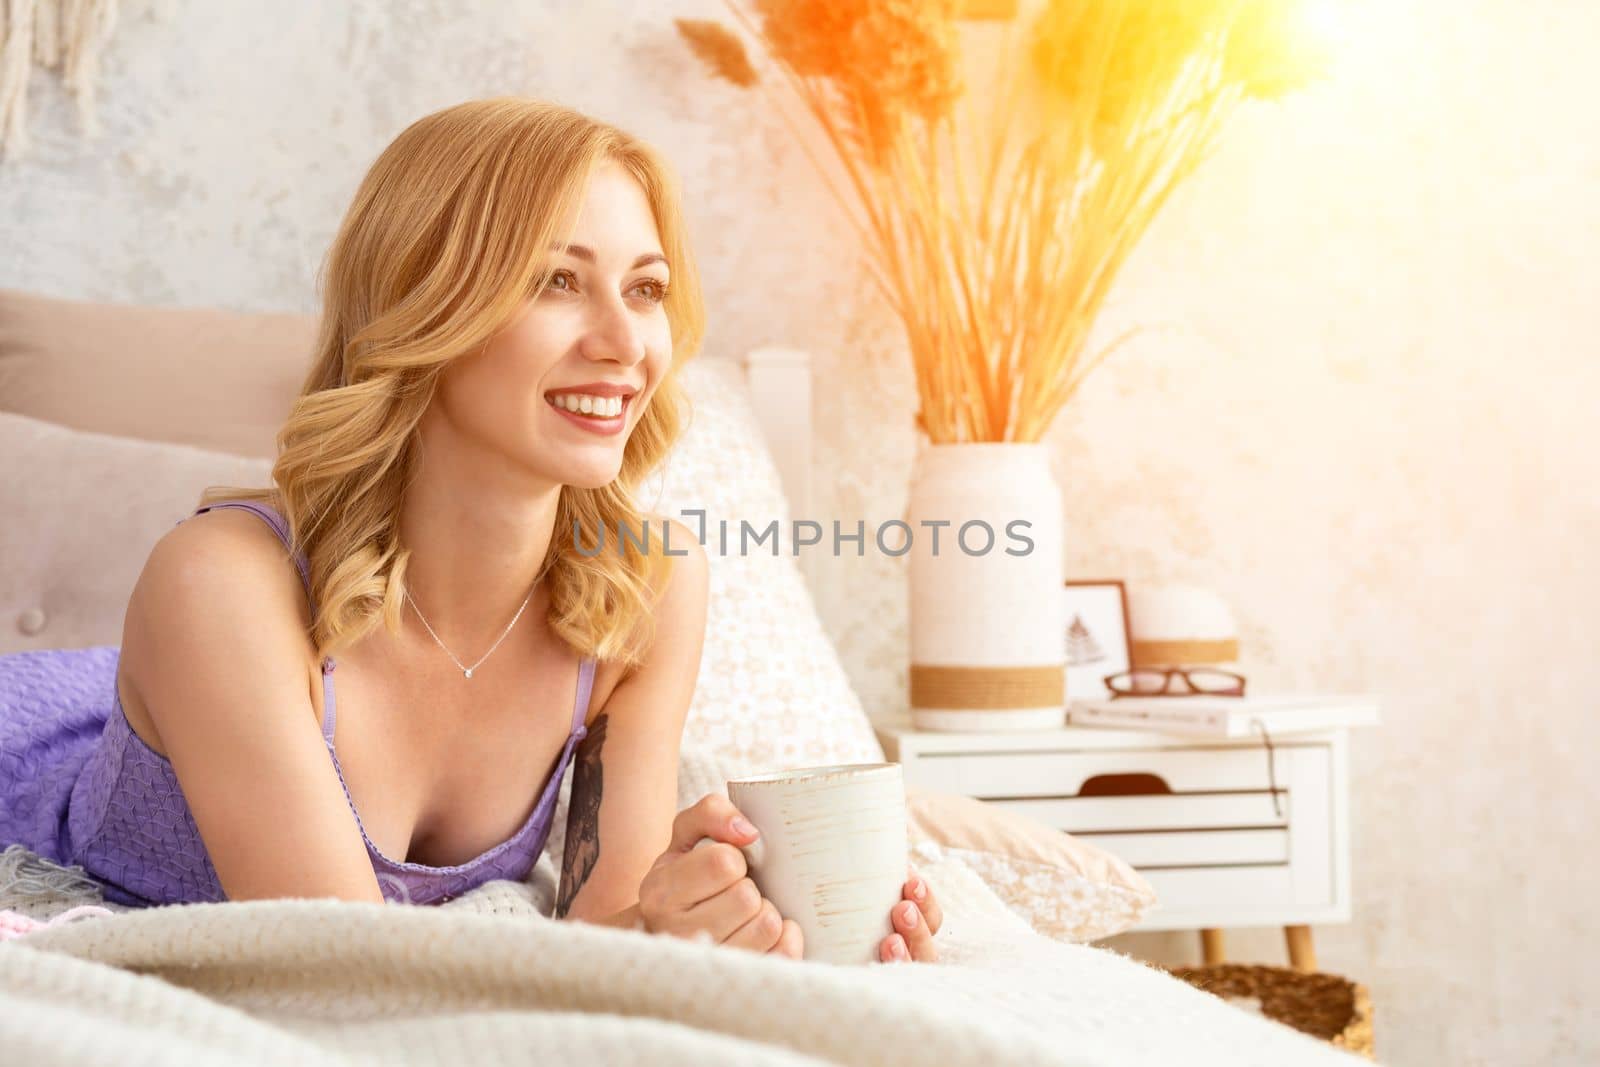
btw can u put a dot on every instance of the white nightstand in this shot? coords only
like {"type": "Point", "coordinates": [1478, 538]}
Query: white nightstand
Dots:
{"type": "Point", "coordinates": [1195, 816]}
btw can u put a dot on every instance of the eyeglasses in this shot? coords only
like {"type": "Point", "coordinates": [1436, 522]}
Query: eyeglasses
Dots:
{"type": "Point", "coordinates": [1157, 682]}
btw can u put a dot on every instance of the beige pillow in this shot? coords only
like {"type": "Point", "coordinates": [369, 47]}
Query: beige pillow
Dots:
{"type": "Point", "coordinates": [214, 379]}
{"type": "Point", "coordinates": [1063, 886]}
{"type": "Point", "coordinates": [82, 511]}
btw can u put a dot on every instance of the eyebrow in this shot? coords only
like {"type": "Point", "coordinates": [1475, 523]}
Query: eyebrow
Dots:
{"type": "Point", "coordinates": [584, 252]}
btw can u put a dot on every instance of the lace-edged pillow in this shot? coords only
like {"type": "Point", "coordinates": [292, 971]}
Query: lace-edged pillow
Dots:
{"type": "Point", "coordinates": [1063, 886]}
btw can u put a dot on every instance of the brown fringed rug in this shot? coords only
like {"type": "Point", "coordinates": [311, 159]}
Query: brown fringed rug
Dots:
{"type": "Point", "coordinates": [1327, 1006]}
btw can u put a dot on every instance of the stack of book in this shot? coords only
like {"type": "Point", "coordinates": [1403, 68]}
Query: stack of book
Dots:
{"type": "Point", "coordinates": [1209, 716]}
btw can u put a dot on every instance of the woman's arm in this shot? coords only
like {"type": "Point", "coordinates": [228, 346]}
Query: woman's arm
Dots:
{"type": "Point", "coordinates": [214, 646]}
{"type": "Point", "coordinates": [625, 779]}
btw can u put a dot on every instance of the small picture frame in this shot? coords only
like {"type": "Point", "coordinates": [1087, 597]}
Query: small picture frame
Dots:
{"type": "Point", "coordinates": [1098, 638]}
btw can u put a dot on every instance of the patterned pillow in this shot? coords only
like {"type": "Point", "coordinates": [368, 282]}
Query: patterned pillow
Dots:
{"type": "Point", "coordinates": [771, 692]}
{"type": "Point", "coordinates": [1065, 887]}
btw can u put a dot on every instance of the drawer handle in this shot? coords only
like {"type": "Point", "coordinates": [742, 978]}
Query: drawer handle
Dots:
{"type": "Point", "coordinates": [1123, 785]}
{"type": "Point", "coordinates": [1145, 784]}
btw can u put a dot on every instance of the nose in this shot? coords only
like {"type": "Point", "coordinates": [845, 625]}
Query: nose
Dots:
{"type": "Point", "coordinates": [612, 334]}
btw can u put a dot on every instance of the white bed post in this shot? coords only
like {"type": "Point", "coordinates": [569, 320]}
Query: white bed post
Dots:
{"type": "Point", "coordinates": [780, 391]}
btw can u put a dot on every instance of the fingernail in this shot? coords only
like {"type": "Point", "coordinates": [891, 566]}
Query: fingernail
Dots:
{"type": "Point", "coordinates": [919, 889]}
{"type": "Point", "coordinates": [742, 827]}
{"type": "Point", "coordinates": [909, 914]}
{"type": "Point", "coordinates": [897, 949]}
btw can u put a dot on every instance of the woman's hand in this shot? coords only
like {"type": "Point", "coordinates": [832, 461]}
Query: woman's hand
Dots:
{"type": "Point", "coordinates": [916, 919]}
{"type": "Point", "coordinates": [702, 887]}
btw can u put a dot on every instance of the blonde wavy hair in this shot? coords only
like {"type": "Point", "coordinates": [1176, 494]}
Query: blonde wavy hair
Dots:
{"type": "Point", "coordinates": [447, 236]}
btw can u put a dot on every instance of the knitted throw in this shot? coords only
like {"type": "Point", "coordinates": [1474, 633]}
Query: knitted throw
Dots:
{"type": "Point", "coordinates": [489, 978]}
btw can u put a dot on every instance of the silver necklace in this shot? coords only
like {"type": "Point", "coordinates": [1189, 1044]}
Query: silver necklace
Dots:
{"type": "Point", "coordinates": [468, 670]}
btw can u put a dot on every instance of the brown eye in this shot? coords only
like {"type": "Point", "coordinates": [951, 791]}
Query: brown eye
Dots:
{"type": "Point", "coordinates": [658, 290]}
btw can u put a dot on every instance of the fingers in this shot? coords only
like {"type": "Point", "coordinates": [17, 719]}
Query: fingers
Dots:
{"type": "Point", "coordinates": [911, 937]}
{"type": "Point", "coordinates": [740, 917]}
{"type": "Point", "coordinates": [792, 942]}
{"type": "Point", "coordinates": [727, 912]}
{"type": "Point", "coordinates": [918, 891]}
{"type": "Point", "coordinates": [705, 872]}
{"type": "Point", "coordinates": [713, 816]}
{"type": "Point", "coordinates": [678, 882]}
{"type": "Point", "coordinates": [702, 883]}
{"type": "Point", "coordinates": [761, 933]}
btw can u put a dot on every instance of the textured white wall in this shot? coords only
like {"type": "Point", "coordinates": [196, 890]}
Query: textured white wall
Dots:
{"type": "Point", "coordinates": [1363, 410]}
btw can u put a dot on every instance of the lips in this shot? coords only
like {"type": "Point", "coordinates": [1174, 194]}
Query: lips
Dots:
{"type": "Point", "coordinates": [596, 389]}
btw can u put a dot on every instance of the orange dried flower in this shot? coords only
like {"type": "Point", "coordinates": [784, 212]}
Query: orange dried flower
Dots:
{"type": "Point", "coordinates": [719, 48]}
{"type": "Point", "coordinates": [892, 57]}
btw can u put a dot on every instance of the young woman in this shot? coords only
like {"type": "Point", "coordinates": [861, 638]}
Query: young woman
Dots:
{"type": "Point", "coordinates": [367, 681]}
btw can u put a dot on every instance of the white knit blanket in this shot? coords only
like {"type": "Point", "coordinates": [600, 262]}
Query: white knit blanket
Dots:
{"type": "Point", "coordinates": [488, 978]}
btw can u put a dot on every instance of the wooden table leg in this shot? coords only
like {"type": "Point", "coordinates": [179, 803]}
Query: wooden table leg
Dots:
{"type": "Point", "coordinates": [1302, 956]}
{"type": "Point", "coordinates": [1211, 947]}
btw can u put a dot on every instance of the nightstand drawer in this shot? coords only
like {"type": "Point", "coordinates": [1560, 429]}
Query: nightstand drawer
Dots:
{"type": "Point", "coordinates": [999, 775]}
{"type": "Point", "coordinates": [1197, 820]}
{"type": "Point", "coordinates": [1187, 848]}
{"type": "Point", "coordinates": [1196, 811]}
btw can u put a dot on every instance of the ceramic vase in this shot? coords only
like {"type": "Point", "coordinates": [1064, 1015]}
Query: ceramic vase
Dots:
{"type": "Point", "coordinates": [987, 613]}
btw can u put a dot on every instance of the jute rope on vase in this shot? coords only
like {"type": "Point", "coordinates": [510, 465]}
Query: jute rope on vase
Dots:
{"type": "Point", "coordinates": [986, 688]}
{"type": "Point", "coordinates": [64, 35]}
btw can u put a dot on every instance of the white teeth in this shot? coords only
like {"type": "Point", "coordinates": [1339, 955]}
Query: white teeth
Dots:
{"type": "Point", "coordinates": [597, 406]}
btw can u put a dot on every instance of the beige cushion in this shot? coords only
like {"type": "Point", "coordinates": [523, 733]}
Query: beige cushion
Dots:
{"type": "Point", "coordinates": [1063, 886]}
{"type": "Point", "coordinates": [214, 379]}
{"type": "Point", "coordinates": [82, 511]}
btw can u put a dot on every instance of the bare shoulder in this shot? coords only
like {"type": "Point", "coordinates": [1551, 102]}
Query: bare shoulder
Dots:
{"type": "Point", "coordinates": [226, 544]}
{"type": "Point", "coordinates": [216, 588]}
{"type": "Point", "coordinates": [216, 649]}
{"type": "Point", "coordinates": [671, 541]}
{"type": "Point", "coordinates": [690, 567]}
{"type": "Point", "coordinates": [680, 594]}
{"type": "Point", "coordinates": [680, 588]}
{"type": "Point", "coordinates": [225, 565]}
{"type": "Point", "coordinates": [675, 626]}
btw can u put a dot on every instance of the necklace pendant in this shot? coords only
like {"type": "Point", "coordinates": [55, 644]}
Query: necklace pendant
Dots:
{"type": "Point", "coordinates": [469, 672]}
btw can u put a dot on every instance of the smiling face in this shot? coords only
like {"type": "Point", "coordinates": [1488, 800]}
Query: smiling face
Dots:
{"type": "Point", "coordinates": [558, 390]}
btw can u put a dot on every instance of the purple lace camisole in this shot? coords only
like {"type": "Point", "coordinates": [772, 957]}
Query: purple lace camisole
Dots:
{"type": "Point", "coordinates": [78, 786]}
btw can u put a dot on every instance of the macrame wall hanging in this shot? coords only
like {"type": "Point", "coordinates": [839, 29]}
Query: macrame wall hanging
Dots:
{"type": "Point", "coordinates": [64, 35]}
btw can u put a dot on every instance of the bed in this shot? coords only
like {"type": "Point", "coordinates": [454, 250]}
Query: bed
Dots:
{"type": "Point", "coordinates": [489, 977]}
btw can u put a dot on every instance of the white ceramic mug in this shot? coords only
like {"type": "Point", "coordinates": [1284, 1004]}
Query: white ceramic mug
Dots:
{"type": "Point", "coordinates": [832, 852]}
